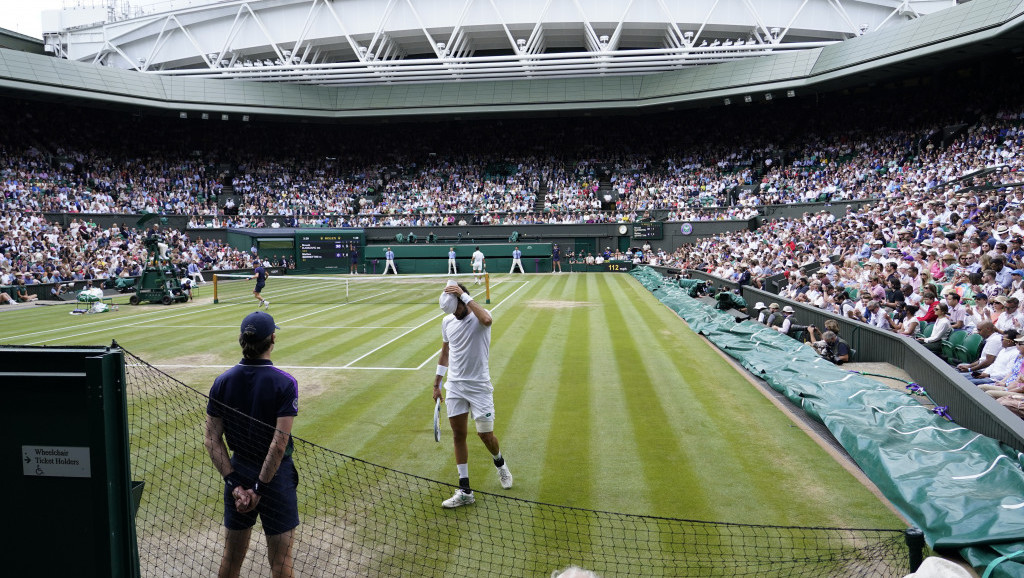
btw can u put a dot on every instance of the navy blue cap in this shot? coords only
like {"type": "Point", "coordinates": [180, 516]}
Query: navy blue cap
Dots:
{"type": "Point", "coordinates": [261, 325]}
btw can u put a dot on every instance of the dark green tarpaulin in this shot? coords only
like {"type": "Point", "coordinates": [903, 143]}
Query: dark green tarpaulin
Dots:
{"type": "Point", "coordinates": [964, 490]}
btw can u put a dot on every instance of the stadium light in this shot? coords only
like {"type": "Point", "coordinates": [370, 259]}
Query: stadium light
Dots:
{"type": "Point", "coordinates": [206, 116]}
{"type": "Point", "coordinates": [790, 93]}
{"type": "Point", "coordinates": [223, 117]}
{"type": "Point", "coordinates": [748, 98]}
{"type": "Point", "coordinates": [767, 96]}
{"type": "Point", "coordinates": [245, 118]}
{"type": "Point", "coordinates": [726, 101]}
{"type": "Point", "coordinates": [182, 114]}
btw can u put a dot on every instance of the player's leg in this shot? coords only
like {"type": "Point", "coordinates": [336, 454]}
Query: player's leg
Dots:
{"type": "Point", "coordinates": [458, 419]}
{"type": "Point", "coordinates": [279, 552]}
{"type": "Point", "coordinates": [236, 545]}
{"type": "Point", "coordinates": [483, 416]}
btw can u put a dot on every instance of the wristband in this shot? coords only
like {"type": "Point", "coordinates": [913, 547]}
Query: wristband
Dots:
{"type": "Point", "coordinates": [441, 370]}
{"type": "Point", "coordinates": [257, 487]}
{"type": "Point", "coordinates": [465, 298]}
{"type": "Point", "coordinates": [233, 479]}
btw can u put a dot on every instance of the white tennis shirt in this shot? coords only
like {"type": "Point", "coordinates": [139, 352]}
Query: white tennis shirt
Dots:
{"type": "Point", "coordinates": [469, 347]}
{"type": "Point", "coordinates": [478, 258]}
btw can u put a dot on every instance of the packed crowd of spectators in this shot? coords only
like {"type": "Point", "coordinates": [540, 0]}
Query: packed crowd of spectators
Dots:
{"type": "Point", "coordinates": [34, 251]}
{"type": "Point", "coordinates": [481, 172]}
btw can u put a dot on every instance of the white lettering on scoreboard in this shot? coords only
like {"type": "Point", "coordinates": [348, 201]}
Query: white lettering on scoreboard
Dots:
{"type": "Point", "coordinates": [56, 461]}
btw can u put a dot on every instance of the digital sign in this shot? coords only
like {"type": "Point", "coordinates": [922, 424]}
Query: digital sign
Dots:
{"type": "Point", "coordinates": [326, 249]}
{"type": "Point", "coordinates": [648, 230]}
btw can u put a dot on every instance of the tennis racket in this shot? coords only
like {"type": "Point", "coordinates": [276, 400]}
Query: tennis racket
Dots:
{"type": "Point", "coordinates": [437, 420]}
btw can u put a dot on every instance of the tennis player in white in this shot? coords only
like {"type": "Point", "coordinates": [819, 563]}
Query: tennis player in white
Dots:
{"type": "Point", "coordinates": [478, 264]}
{"type": "Point", "coordinates": [466, 337]}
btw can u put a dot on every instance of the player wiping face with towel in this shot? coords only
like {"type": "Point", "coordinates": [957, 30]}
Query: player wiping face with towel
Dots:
{"type": "Point", "coordinates": [465, 350]}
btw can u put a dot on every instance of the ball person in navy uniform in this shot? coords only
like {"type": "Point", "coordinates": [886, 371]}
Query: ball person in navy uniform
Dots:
{"type": "Point", "coordinates": [465, 349]}
{"type": "Point", "coordinates": [252, 406]}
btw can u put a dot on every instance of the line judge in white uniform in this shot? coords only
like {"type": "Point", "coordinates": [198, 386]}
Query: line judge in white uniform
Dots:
{"type": "Point", "coordinates": [465, 350]}
{"type": "Point", "coordinates": [517, 261]}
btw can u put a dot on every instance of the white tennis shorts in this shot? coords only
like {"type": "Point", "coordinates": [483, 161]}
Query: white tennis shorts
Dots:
{"type": "Point", "coordinates": [478, 267]}
{"type": "Point", "coordinates": [470, 396]}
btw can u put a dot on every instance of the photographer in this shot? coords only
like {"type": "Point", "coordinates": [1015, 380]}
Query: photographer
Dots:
{"type": "Point", "coordinates": [830, 346]}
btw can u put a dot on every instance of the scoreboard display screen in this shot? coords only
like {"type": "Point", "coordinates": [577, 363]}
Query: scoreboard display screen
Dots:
{"type": "Point", "coordinates": [648, 230]}
{"type": "Point", "coordinates": [326, 249]}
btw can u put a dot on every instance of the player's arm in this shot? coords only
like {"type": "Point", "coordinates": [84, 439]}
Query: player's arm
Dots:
{"type": "Point", "coordinates": [481, 314]}
{"type": "Point", "coordinates": [442, 368]}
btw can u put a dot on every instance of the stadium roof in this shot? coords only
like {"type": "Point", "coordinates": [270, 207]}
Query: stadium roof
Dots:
{"type": "Point", "coordinates": [967, 32]}
{"type": "Point", "coordinates": [374, 42]}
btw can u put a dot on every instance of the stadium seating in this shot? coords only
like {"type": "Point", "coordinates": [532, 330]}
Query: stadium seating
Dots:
{"type": "Point", "coordinates": [949, 344]}
{"type": "Point", "coordinates": [970, 349]}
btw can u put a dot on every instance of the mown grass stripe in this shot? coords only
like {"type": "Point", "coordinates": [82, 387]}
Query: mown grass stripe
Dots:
{"type": "Point", "coordinates": [665, 461]}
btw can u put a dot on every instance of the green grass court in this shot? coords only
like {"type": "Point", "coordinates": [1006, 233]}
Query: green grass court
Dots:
{"type": "Point", "coordinates": [605, 399]}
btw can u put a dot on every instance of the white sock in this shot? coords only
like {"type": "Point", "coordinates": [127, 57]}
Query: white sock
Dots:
{"type": "Point", "coordinates": [497, 456]}
{"type": "Point", "coordinates": [463, 470]}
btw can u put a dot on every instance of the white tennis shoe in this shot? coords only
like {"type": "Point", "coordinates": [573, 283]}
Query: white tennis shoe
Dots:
{"type": "Point", "coordinates": [266, 304]}
{"type": "Point", "coordinates": [460, 498]}
{"type": "Point", "coordinates": [505, 476]}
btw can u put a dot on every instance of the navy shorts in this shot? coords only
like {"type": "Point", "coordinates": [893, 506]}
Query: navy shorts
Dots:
{"type": "Point", "coordinates": [259, 287]}
{"type": "Point", "coordinates": [279, 505]}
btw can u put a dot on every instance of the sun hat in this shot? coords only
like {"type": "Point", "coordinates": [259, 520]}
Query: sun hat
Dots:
{"type": "Point", "coordinates": [759, 306]}
{"type": "Point", "coordinates": [788, 309]}
{"type": "Point", "coordinates": [448, 301]}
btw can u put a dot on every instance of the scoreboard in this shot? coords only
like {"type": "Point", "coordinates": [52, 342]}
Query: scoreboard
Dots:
{"type": "Point", "coordinates": [326, 249]}
{"type": "Point", "coordinates": [648, 230]}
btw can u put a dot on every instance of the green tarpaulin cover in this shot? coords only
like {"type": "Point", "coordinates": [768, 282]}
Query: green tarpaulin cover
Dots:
{"type": "Point", "coordinates": [962, 489]}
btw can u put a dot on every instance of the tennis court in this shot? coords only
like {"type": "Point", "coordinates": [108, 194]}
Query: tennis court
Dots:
{"type": "Point", "coordinates": [605, 399]}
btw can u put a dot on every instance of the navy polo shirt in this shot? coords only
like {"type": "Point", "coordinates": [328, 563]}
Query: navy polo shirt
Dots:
{"type": "Point", "coordinates": [254, 388]}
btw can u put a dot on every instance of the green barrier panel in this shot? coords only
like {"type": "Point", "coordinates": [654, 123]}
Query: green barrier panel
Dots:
{"type": "Point", "coordinates": [964, 490]}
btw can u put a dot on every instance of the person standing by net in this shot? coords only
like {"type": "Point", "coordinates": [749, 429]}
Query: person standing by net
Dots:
{"type": "Point", "coordinates": [478, 264]}
{"type": "Point", "coordinates": [253, 406]}
{"type": "Point", "coordinates": [517, 261]}
{"type": "Point", "coordinates": [452, 269]}
{"type": "Point", "coordinates": [465, 352]}
{"type": "Point", "coordinates": [389, 261]}
{"type": "Point", "coordinates": [260, 275]}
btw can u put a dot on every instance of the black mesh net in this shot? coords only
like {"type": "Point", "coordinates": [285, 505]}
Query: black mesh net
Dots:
{"type": "Point", "coordinates": [360, 519]}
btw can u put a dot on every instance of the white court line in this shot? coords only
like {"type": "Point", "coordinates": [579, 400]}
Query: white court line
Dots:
{"type": "Point", "coordinates": [289, 327]}
{"type": "Point", "coordinates": [115, 321]}
{"type": "Point", "coordinates": [122, 326]}
{"type": "Point", "coordinates": [334, 368]}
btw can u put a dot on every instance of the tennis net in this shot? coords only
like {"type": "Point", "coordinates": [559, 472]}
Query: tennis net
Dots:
{"type": "Point", "coordinates": [300, 289]}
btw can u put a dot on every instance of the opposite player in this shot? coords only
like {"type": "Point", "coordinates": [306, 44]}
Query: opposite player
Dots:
{"type": "Point", "coordinates": [260, 275]}
{"type": "Point", "coordinates": [389, 261]}
{"type": "Point", "coordinates": [253, 405]}
{"type": "Point", "coordinates": [465, 348]}
{"type": "Point", "coordinates": [517, 261]}
{"type": "Point", "coordinates": [451, 261]}
{"type": "Point", "coordinates": [556, 259]}
{"type": "Point", "coordinates": [478, 264]}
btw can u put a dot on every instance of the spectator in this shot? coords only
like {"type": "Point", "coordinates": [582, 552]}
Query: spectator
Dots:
{"type": "Point", "coordinates": [940, 330]}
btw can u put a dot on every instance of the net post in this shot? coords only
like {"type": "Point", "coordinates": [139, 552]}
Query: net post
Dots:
{"type": "Point", "coordinates": [487, 286]}
{"type": "Point", "coordinates": [915, 544]}
{"type": "Point", "coordinates": [215, 301]}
